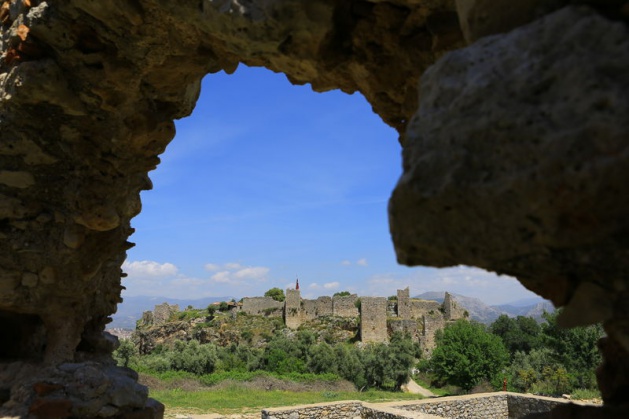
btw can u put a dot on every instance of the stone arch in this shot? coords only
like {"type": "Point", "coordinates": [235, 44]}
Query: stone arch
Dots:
{"type": "Point", "coordinates": [89, 91]}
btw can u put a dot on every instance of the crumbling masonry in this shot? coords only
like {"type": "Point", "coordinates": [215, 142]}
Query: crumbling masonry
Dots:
{"type": "Point", "coordinates": [513, 122]}
{"type": "Point", "coordinates": [379, 317]}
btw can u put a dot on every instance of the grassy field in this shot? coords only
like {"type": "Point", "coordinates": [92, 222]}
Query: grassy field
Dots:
{"type": "Point", "coordinates": [236, 399]}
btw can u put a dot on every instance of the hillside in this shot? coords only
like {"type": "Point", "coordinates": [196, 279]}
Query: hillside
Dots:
{"type": "Point", "coordinates": [485, 313]}
{"type": "Point", "coordinates": [131, 309]}
{"type": "Point", "coordinates": [225, 329]}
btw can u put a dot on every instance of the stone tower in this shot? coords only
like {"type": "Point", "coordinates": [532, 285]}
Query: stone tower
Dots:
{"type": "Point", "coordinates": [292, 308]}
{"type": "Point", "coordinates": [451, 309]}
{"type": "Point", "coordinates": [404, 304]}
{"type": "Point", "coordinates": [373, 319]}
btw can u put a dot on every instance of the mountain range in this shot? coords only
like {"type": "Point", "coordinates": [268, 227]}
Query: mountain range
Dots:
{"type": "Point", "coordinates": [484, 313]}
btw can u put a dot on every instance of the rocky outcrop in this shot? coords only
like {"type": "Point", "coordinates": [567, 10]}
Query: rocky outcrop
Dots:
{"type": "Point", "coordinates": [503, 168]}
{"type": "Point", "coordinates": [541, 183]}
{"type": "Point", "coordinates": [517, 162]}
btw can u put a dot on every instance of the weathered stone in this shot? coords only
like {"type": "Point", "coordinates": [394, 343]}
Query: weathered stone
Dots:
{"type": "Point", "coordinates": [43, 388]}
{"type": "Point", "coordinates": [16, 179]}
{"type": "Point", "coordinates": [29, 279]}
{"type": "Point", "coordinates": [51, 408]}
{"type": "Point", "coordinates": [47, 275]}
{"type": "Point", "coordinates": [502, 172]}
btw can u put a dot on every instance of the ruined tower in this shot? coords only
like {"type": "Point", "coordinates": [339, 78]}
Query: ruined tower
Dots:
{"type": "Point", "coordinates": [373, 319]}
{"type": "Point", "coordinates": [292, 308]}
{"type": "Point", "coordinates": [404, 304]}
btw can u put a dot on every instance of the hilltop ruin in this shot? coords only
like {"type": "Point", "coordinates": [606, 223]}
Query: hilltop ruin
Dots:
{"type": "Point", "coordinates": [379, 316]}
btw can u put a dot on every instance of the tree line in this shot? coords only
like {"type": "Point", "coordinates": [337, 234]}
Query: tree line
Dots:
{"type": "Point", "coordinates": [378, 366]}
{"type": "Point", "coordinates": [530, 357]}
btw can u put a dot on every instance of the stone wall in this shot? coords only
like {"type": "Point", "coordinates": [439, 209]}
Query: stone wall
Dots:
{"type": "Point", "coordinates": [430, 324]}
{"type": "Point", "coordinates": [373, 319]}
{"type": "Point", "coordinates": [501, 405]}
{"type": "Point", "coordinates": [451, 308]}
{"type": "Point", "coordinates": [336, 410]}
{"type": "Point", "coordinates": [309, 309]}
{"type": "Point", "coordinates": [162, 312]}
{"type": "Point", "coordinates": [262, 306]}
{"type": "Point", "coordinates": [324, 306]}
{"type": "Point", "coordinates": [422, 307]}
{"type": "Point", "coordinates": [403, 304]}
{"type": "Point", "coordinates": [409, 326]}
{"type": "Point", "coordinates": [345, 306]}
{"type": "Point", "coordinates": [521, 405]}
{"type": "Point", "coordinates": [493, 406]}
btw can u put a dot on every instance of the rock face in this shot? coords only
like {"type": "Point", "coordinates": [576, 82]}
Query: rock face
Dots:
{"type": "Point", "coordinates": [517, 161]}
{"type": "Point", "coordinates": [89, 90]}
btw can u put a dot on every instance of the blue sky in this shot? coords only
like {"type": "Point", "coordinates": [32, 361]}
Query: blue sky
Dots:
{"type": "Point", "coordinates": [267, 182]}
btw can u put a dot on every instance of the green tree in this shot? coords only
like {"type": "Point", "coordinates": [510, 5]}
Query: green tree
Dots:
{"type": "Point", "coordinates": [125, 352]}
{"type": "Point", "coordinates": [519, 334]}
{"type": "Point", "coordinates": [350, 365]}
{"type": "Point", "coordinates": [342, 294]}
{"type": "Point", "coordinates": [193, 357]}
{"type": "Point", "coordinates": [322, 359]}
{"type": "Point", "coordinates": [275, 293]}
{"type": "Point", "coordinates": [575, 349]}
{"type": "Point", "coordinates": [466, 354]}
{"type": "Point", "coordinates": [388, 366]}
{"type": "Point", "coordinates": [283, 355]}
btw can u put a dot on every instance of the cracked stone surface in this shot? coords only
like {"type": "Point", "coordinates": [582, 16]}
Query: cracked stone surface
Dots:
{"type": "Point", "coordinates": [516, 160]}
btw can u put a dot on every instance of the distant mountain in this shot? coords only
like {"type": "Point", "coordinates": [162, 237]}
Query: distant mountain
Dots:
{"type": "Point", "coordinates": [523, 302]}
{"type": "Point", "coordinates": [485, 313]}
{"type": "Point", "coordinates": [131, 309]}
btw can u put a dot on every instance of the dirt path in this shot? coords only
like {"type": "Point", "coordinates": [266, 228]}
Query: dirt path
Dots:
{"type": "Point", "coordinates": [413, 387]}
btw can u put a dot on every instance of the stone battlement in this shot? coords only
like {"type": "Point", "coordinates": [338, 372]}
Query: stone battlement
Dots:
{"type": "Point", "coordinates": [379, 317]}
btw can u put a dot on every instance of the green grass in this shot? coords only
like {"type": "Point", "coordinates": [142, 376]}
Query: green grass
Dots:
{"type": "Point", "coordinates": [217, 377]}
{"type": "Point", "coordinates": [585, 394]}
{"type": "Point", "coordinates": [235, 399]}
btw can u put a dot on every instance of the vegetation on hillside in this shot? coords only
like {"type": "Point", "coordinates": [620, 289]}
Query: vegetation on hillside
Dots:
{"type": "Point", "coordinates": [540, 359]}
{"type": "Point", "coordinates": [217, 346]}
{"type": "Point", "coordinates": [219, 343]}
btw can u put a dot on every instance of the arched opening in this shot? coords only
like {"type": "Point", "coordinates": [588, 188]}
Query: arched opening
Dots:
{"type": "Point", "coordinates": [266, 181]}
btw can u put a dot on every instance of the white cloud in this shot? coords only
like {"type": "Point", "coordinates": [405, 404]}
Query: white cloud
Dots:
{"type": "Point", "coordinates": [157, 279]}
{"type": "Point", "coordinates": [314, 286]}
{"type": "Point", "coordinates": [361, 262]}
{"type": "Point", "coordinates": [258, 272]}
{"type": "Point", "coordinates": [222, 276]}
{"type": "Point", "coordinates": [211, 267]}
{"type": "Point", "coordinates": [149, 268]}
{"type": "Point", "coordinates": [331, 285]}
{"type": "Point", "coordinates": [469, 281]}
{"type": "Point", "coordinates": [346, 262]}
{"type": "Point", "coordinates": [236, 274]}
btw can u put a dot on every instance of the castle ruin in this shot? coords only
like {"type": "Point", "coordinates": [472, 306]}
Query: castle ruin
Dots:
{"type": "Point", "coordinates": [379, 317]}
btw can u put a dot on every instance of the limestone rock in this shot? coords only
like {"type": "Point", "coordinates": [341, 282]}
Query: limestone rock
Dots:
{"type": "Point", "coordinates": [517, 159]}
